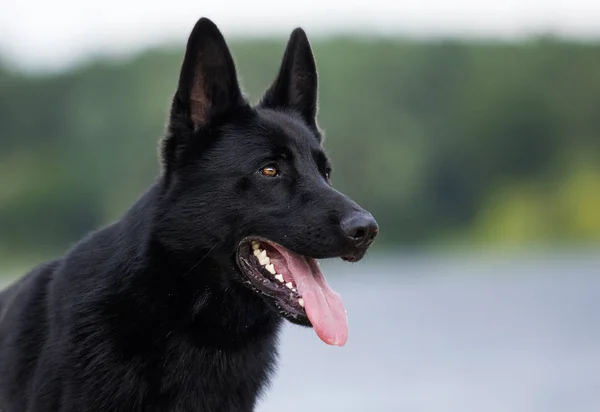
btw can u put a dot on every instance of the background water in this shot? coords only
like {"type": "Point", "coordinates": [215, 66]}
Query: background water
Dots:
{"type": "Point", "coordinates": [515, 334]}
{"type": "Point", "coordinates": [458, 333]}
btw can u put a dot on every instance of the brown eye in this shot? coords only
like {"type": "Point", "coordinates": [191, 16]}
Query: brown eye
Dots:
{"type": "Point", "coordinates": [270, 171]}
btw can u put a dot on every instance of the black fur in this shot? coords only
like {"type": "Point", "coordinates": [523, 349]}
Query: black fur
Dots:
{"type": "Point", "coordinates": [152, 312]}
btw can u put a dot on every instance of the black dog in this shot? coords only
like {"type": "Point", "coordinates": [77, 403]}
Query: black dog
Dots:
{"type": "Point", "coordinates": [176, 306]}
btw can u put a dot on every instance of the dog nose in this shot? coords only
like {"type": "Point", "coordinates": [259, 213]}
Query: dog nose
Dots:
{"type": "Point", "coordinates": [360, 227]}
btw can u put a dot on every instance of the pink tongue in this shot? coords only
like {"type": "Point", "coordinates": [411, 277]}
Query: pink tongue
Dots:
{"type": "Point", "coordinates": [323, 305]}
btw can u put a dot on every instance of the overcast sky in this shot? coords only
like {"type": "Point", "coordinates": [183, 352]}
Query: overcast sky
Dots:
{"type": "Point", "coordinates": [53, 34]}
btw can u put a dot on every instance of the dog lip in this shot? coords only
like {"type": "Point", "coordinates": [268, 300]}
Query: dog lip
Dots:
{"type": "Point", "coordinates": [262, 284]}
{"type": "Point", "coordinates": [356, 256]}
{"type": "Point", "coordinates": [298, 314]}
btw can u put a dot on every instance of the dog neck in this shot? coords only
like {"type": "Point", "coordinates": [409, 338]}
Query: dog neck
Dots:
{"type": "Point", "coordinates": [177, 320]}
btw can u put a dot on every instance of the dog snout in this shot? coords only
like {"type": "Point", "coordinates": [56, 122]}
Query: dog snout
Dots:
{"type": "Point", "coordinates": [360, 228]}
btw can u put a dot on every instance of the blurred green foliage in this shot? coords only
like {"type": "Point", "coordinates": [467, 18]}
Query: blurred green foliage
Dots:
{"type": "Point", "coordinates": [443, 141]}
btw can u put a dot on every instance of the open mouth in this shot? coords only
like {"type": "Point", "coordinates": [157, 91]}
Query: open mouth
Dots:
{"type": "Point", "coordinates": [297, 285]}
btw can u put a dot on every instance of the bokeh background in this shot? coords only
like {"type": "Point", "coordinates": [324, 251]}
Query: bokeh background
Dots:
{"type": "Point", "coordinates": [470, 129]}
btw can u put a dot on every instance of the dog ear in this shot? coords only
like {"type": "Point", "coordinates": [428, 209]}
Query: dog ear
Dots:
{"type": "Point", "coordinates": [208, 86]}
{"type": "Point", "coordinates": [296, 84]}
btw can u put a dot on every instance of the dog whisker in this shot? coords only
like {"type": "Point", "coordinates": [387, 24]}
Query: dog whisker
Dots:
{"type": "Point", "coordinates": [201, 259]}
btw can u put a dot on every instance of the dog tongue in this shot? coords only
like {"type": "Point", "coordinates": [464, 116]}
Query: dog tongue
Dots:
{"type": "Point", "coordinates": [323, 305]}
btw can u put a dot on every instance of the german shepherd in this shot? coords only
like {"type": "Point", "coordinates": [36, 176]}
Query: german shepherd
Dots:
{"type": "Point", "coordinates": [177, 305]}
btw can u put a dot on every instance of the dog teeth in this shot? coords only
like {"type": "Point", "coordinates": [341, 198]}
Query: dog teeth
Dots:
{"type": "Point", "coordinates": [265, 261]}
{"type": "Point", "coordinates": [262, 255]}
{"type": "Point", "coordinates": [301, 302]}
{"type": "Point", "coordinates": [262, 259]}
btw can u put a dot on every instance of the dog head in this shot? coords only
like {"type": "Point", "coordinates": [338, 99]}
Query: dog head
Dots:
{"type": "Point", "coordinates": [252, 184]}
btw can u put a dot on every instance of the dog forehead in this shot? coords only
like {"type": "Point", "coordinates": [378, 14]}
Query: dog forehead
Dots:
{"type": "Point", "coordinates": [287, 130]}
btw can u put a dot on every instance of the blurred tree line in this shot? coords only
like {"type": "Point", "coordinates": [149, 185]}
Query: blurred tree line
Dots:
{"type": "Point", "coordinates": [445, 142]}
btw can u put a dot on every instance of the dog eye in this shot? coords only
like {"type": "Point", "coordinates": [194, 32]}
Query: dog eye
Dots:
{"type": "Point", "coordinates": [270, 171]}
